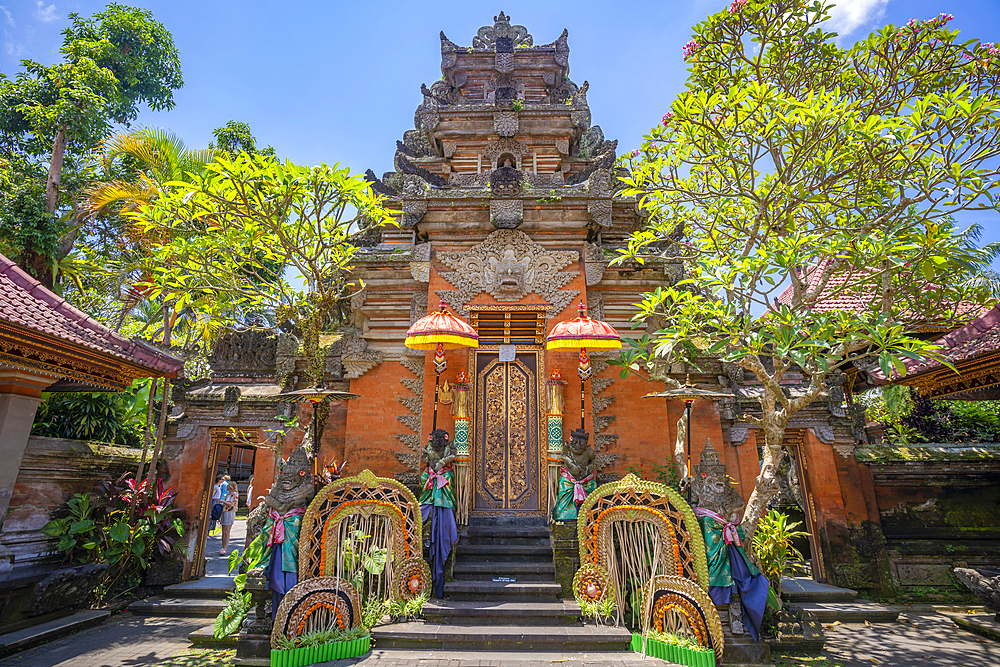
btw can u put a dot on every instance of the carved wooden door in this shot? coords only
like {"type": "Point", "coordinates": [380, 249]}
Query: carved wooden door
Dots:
{"type": "Point", "coordinates": [506, 455]}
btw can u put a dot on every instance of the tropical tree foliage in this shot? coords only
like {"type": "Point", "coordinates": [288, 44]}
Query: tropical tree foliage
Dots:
{"type": "Point", "coordinates": [793, 162]}
{"type": "Point", "coordinates": [53, 117]}
{"type": "Point", "coordinates": [235, 137]}
{"type": "Point", "coordinates": [252, 238]}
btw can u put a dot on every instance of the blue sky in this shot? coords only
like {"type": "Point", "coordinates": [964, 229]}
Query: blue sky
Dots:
{"type": "Point", "coordinates": [338, 82]}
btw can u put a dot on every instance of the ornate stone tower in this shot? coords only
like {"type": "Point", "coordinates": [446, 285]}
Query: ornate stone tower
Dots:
{"type": "Point", "coordinates": [504, 192]}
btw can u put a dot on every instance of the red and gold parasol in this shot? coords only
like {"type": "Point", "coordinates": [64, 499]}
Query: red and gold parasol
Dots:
{"type": "Point", "coordinates": [583, 332]}
{"type": "Point", "coordinates": [440, 331]}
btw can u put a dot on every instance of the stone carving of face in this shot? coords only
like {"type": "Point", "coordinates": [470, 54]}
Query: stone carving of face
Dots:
{"type": "Point", "coordinates": [510, 273]}
{"type": "Point", "coordinates": [579, 442]}
{"type": "Point", "coordinates": [715, 492]}
{"type": "Point", "coordinates": [294, 485]}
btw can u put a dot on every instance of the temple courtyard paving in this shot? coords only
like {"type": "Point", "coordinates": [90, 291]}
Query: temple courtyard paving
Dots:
{"type": "Point", "coordinates": [916, 638]}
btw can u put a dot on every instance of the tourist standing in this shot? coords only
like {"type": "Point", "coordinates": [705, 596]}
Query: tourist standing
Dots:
{"type": "Point", "coordinates": [229, 503]}
{"type": "Point", "coordinates": [250, 494]}
{"type": "Point", "coordinates": [216, 504]}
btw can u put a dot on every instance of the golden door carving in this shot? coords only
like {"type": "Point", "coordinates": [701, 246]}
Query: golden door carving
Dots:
{"type": "Point", "coordinates": [506, 458]}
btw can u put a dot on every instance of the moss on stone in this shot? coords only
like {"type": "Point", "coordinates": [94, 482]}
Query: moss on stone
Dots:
{"type": "Point", "coordinates": [928, 452]}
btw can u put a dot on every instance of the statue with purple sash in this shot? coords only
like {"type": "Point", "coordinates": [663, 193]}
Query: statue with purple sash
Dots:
{"type": "Point", "coordinates": [577, 476]}
{"type": "Point", "coordinates": [437, 502]}
{"type": "Point", "coordinates": [285, 505]}
{"type": "Point", "coordinates": [733, 579]}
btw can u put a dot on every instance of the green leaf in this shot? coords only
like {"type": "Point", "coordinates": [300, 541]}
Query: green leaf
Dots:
{"type": "Point", "coordinates": [138, 547]}
{"type": "Point", "coordinates": [227, 622]}
{"type": "Point", "coordinates": [81, 527]}
{"type": "Point", "coordinates": [120, 532]}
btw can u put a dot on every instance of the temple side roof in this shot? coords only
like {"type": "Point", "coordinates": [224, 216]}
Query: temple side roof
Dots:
{"type": "Point", "coordinates": [974, 350]}
{"type": "Point", "coordinates": [32, 319]}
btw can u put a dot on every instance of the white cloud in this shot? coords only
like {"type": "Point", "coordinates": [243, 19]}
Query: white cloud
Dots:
{"type": "Point", "coordinates": [849, 15]}
{"type": "Point", "coordinates": [44, 13]}
{"type": "Point", "coordinates": [10, 18]}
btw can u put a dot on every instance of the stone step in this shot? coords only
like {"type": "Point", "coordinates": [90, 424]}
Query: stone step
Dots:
{"type": "Point", "coordinates": [205, 638]}
{"type": "Point", "coordinates": [803, 589]}
{"type": "Point", "coordinates": [172, 606]}
{"type": "Point", "coordinates": [506, 638]}
{"type": "Point", "coordinates": [521, 571]}
{"type": "Point", "coordinates": [478, 612]}
{"type": "Point", "coordinates": [492, 540]}
{"type": "Point", "coordinates": [517, 521]}
{"type": "Point", "coordinates": [205, 588]}
{"type": "Point", "coordinates": [506, 531]}
{"type": "Point", "coordinates": [503, 552]}
{"type": "Point", "coordinates": [494, 591]}
{"type": "Point", "coordinates": [857, 611]}
{"type": "Point", "coordinates": [42, 633]}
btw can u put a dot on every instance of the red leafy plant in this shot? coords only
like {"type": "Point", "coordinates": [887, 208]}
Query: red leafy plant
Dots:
{"type": "Point", "coordinates": [95, 528]}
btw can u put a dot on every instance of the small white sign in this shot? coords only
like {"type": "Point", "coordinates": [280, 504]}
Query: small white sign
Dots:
{"type": "Point", "coordinates": [508, 352]}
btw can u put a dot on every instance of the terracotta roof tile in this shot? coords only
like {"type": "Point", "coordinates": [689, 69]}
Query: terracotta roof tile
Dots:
{"type": "Point", "coordinates": [28, 304]}
{"type": "Point", "coordinates": [978, 337]}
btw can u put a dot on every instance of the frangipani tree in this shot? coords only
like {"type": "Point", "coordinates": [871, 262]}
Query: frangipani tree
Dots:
{"type": "Point", "coordinates": [792, 163]}
{"type": "Point", "coordinates": [254, 237]}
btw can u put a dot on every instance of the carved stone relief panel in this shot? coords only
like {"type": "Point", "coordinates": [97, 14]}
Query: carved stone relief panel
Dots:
{"type": "Point", "coordinates": [505, 123]}
{"type": "Point", "coordinates": [506, 213]}
{"type": "Point", "coordinates": [420, 267]}
{"type": "Point", "coordinates": [414, 200]}
{"type": "Point", "coordinates": [418, 306]}
{"type": "Point", "coordinates": [356, 358]}
{"type": "Point", "coordinates": [251, 352]}
{"type": "Point", "coordinates": [509, 265]}
{"type": "Point", "coordinates": [594, 263]}
{"type": "Point", "coordinates": [600, 185]}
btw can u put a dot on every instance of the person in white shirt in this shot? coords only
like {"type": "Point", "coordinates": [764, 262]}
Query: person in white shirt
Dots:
{"type": "Point", "coordinates": [229, 503]}
{"type": "Point", "coordinates": [216, 504]}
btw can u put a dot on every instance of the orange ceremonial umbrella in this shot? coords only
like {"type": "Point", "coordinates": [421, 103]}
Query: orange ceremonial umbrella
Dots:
{"type": "Point", "coordinates": [440, 331]}
{"type": "Point", "coordinates": [583, 332]}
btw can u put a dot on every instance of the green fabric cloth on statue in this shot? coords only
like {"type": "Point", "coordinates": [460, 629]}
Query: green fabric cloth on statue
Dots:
{"type": "Point", "coordinates": [437, 487]}
{"type": "Point", "coordinates": [571, 495]}
{"type": "Point", "coordinates": [717, 551]}
{"type": "Point", "coordinates": [286, 536]}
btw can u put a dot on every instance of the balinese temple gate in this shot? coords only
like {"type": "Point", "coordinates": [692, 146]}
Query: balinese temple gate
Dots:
{"type": "Point", "coordinates": [504, 191]}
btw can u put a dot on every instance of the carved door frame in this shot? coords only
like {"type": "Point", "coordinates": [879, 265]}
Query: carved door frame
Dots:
{"type": "Point", "coordinates": [793, 442]}
{"type": "Point", "coordinates": [216, 435]}
{"type": "Point", "coordinates": [540, 430]}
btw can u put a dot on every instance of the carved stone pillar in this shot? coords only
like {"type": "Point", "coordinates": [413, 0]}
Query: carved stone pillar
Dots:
{"type": "Point", "coordinates": [463, 484]}
{"type": "Point", "coordinates": [554, 391]}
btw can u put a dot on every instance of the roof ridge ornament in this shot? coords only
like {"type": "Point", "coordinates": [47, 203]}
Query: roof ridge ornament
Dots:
{"type": "Point", "coordinates": [486, 37]}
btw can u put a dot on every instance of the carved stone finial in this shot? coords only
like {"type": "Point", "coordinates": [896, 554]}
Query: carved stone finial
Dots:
{"type": "Point", "coordinates": [486, 37]}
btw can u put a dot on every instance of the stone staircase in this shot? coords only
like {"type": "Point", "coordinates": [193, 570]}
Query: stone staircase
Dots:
{"type": "Point", "coordinates": [199, 598]}
{"type": "Point", "coordinates": [503, 597]}
{"type": "Point", "coordinates": [830, 603]}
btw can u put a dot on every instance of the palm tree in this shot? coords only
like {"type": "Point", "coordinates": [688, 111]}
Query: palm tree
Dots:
{"type": "Point", "coordinates": [159, 156]}
{"type": "Point", "coordinates": [153, 157]}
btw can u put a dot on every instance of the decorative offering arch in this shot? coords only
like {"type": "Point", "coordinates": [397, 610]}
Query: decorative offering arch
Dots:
{"type": "Point", "coordinates": [321, 603]}
{"type": "Point", "coordinates": [365, 517]}
{"type": "Point", "coordinates": [637, 530]}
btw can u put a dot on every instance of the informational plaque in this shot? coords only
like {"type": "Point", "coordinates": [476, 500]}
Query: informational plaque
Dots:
{"type": "Point", "coordinates": [508, 352]}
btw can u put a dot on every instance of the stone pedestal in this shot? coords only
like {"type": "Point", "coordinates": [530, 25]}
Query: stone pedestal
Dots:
{"type": "Point", "coordinates": [565, 554]}
{"type": "Point", "coordinates": [743, 650]}
{"type": "Point", "coordinates": [253, 647]}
